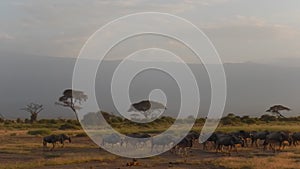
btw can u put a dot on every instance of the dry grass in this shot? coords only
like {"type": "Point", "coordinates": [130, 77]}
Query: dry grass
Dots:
{"type": "Point", "coordinates": [282, 161]}
{"type": "Point", "coordinates": [65, 160]}
{"type": "Point", "coordinates": [21, 151]}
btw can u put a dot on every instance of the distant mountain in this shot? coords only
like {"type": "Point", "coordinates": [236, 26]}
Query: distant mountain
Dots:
{"type": "Point", "coordinates": [251, 87]}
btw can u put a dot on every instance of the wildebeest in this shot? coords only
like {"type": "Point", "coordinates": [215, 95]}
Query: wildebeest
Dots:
{"type": "Point", "coordinates": [184, 146]}
{"type": "Point", "coordinates": [212, 139]}
{"type": "Point", "coordinates": [228, 140]}
{"type": "Point", "coordinates": [164, 140]}
{"type": "Point", "coordinates": [136, 139]}
{"type": "Point", "coordinates": [244, 135]}
{"type": "Point", "coordinates": [53, 139]}
{"type": "Point", "coordinates": [295, 138]}
{"type": "Point", "coordinates": [63, 138]}
{"type": "Point", "coordinates": [255, 136]}
{"type": "Point", "coordinates": [276, 138]}
{"type": "Point", "coordinates": [193, 136]}
{"type": "Point", "coordinates": [112, 139]}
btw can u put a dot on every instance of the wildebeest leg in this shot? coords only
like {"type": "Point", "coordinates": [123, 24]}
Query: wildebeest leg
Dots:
{"type": "Point", "coordinates": [217, 147]}
{"type": "Point", "coordinates": [204, 145]}
{"type": "Point", "coordinates": [265, 145]}
{"type": "Point", "coordinates": [235, 148]}
{"type": "Point", "coordinates": [252, 142]}
{"type": "Point", "coordinates": [186, 151]}
{"type": "Point", "coordinates": [295, 142]}
{"type": "Point", "coordinates": [281, 146]}
{"type": "Point", "coordinates": [274, 148]}
{"type": "Point", "coordinates": [53, 145]}
{"type": "Point", "coordinates": [44, 145]}
{"type": "Point", "coordinates": [178, 152]}
{"type": "Point", "coordinates": [152, 146]}
{"type": "Point", "coordinates": [230, 148]}
{"type": "Point", "coordinates": [246, 142]}
{"type": "Point", "coordinates": [221, 148]}
{"type": "Point", "coordinates": [256, 144]}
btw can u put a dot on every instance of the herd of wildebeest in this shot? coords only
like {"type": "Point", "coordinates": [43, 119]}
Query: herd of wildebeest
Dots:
{"type": "Point", "coordinates": [217, 141]}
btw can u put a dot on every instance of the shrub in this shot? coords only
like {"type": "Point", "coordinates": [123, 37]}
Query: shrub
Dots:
{"type": "Point", "coordinates": [19, 120]}
{"type": "Point", "coordinates": [69, 126]}
{"type": "Point", "coordinates": [81, 135]}
{"type": "Point", "coordinates": [74, 122]}
{"type": "Point", "coordinates": [268, 118]}
{"type": "Point", "coordinates": [39, 132]}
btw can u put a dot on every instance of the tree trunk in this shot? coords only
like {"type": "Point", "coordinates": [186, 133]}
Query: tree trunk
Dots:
{"type": "Point", "coordinates": [33, 117]}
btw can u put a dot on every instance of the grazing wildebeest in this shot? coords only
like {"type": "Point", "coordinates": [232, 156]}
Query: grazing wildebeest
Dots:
{"type": "Point", "coordinates": [244, 135]}
{"type": "Point", "coordinates": [212, 140]}
{"type": "Point", "coordinates": [164, 140]}
{"type": "Point", "coordinates": [53, 139]}
{"type": "Point", "coordinates": [184, 146]}
{"type": "Point", "coordinates": [63, 138]}
{"type": "Point", "coordinates": [277, 138]}
{"type": "Point", "coordinates": [255, 136]}
{"type": "Point", "coordinates": [295, 138]}
{"type": "Point", "coordinates": [112, 139]}
{"type": "Point", "coordinates": [143, 138]}
{"type": "Point", "coordinates": [228, 140]}
{"type": "Point", "coordinates": [193, 136]}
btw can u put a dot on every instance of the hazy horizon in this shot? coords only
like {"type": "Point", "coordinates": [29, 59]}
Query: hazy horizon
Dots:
{"type": "Point", "coordinates": [252, 87]}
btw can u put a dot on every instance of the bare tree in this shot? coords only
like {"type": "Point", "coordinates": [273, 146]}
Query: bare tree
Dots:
{"type": "Point", "coordinates": [72, 97]}
{"type": "Point", "coordinates": [34, 109]}
{"type": "Point", "coordinates": [276, 109]}
{"type": "Point", "coordinates": [146, 107]}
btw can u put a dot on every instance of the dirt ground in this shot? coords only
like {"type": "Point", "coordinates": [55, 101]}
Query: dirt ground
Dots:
{"type": "Point", "coordinates": [19, 150]}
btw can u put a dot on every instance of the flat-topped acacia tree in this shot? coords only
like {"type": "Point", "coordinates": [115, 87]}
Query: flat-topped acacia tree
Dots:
{"type": "Point", "coordinates": [72, 97]}
{"type": "Point", "coordinates": [276, 109]}
{"type": "Point", "coordinates": [146, 107]}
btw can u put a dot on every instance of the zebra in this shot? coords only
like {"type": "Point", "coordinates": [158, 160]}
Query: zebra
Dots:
{"type": "Point", "coordinates": [53, 139]}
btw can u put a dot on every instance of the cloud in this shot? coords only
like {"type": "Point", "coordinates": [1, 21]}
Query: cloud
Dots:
{"type": "Point", "coordinates": [60, 28]}
{"type": "Point", "coordinates": [247, 38]}
{"type": "Point", "coordinates": [251, 27]}
{"type": "Point", "coordinates": [6, 36]}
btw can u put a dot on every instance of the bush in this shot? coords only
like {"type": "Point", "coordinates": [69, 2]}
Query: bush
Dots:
{"type": "Point", "coordinates": [74, 122]}
{"type": "Point", "coordinates": [39, 132]}
{"type": "Point", "coordinates": [81, 135]}
{"type": "Point", "coordinates": [19, 120]}
{"type": "Point", "coordinates": [69, 126]}
{"type": "Point", "coordinates": [268, 118]}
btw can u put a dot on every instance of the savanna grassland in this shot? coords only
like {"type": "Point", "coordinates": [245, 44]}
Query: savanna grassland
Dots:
{"type": "Point", "coordinates": [21, 147]}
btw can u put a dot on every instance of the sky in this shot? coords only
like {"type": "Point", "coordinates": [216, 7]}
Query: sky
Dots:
{"type": "Point", "coordinates": [253, 33]}
{"type": "Point", "coordinates": [261, 31]}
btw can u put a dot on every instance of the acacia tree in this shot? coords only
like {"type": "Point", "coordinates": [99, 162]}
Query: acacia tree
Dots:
{"type": "Point", "coordinates": [72, 97]}
{"type": "Point", "coordinates": [34, 109]}
{"type": "Point", "coordinates": [146, 107]}
{"type": "Point", "coordinates": [276, 109]}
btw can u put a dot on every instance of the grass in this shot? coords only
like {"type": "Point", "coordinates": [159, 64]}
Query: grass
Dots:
{"type": "Point", "coordinates": [21, 143]}
{"type": "Point", "coordinates": [282, 161]}
{"type": "Point", "coordinates": [56, 161]}
{"type": "Point", "coordinates": [41, 132]}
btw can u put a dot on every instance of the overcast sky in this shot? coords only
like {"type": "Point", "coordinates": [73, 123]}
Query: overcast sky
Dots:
{"type": "Point", "coordinates": [262, 31]}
